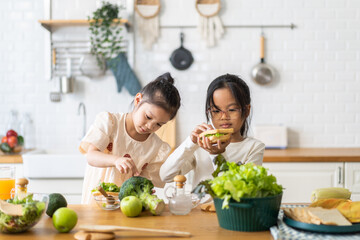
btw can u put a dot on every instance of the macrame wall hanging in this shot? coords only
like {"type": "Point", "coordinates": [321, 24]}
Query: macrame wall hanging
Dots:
{"type": "Point", "coordinates": [210, 25]}
{"type": "Point", "coordinates": [148, 21]}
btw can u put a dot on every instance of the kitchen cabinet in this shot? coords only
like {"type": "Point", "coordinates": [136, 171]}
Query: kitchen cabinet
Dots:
{"type": "Point", "coordinates": [71, 188]}
{"type": "Point", "coordinates": [300, 178]}
{"type": "Point", "coordinates": [352, 179]}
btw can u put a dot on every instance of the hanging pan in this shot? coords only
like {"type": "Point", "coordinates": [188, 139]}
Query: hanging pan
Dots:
{"type": "Point", "coordinates": [263, 73]}
{"type": "Point", "coordinates": [181, 58]}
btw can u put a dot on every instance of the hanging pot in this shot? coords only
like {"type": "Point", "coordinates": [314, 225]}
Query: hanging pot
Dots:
{"type": "Point", "coordinates": [263, 73]}
{"type": "Point", "coordinates": [181, 58]}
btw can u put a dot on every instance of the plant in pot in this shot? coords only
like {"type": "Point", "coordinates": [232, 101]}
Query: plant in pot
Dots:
{"type": "Point", "coordinates": [246, 197]}
{"type": "Point", "coordinates": [105, 33]}
{"type": "Point", "coordinates": [106, 45]}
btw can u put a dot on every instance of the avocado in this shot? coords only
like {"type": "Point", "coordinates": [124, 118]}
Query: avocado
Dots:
{"type": "Point", "coordinates": [56, 201]}
{"type": "Point", "coordinates": [5, 147]}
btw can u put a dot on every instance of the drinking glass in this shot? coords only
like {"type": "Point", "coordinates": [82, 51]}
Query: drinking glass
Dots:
{"type": "Point", "coordinates": [7, 182]}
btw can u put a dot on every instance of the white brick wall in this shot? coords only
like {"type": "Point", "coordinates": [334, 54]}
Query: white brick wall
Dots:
{"type": "Point", "coordinates": [317, 94]}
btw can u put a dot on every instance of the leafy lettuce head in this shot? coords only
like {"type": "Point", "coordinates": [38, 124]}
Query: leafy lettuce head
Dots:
{"type": "Point", "coordinates": [239, 181]}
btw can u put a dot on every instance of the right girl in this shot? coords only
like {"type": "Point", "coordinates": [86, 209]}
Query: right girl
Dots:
{"type": "Point", "coordinates": [134, 147]}
{"type": "Point", "coordinates": [227, 106]}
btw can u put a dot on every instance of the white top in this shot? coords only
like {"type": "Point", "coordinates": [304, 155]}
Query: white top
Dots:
{"type": "Point", "coordinates": [110, 128]}
{"type": "Point", "coordinates": [189, 156]}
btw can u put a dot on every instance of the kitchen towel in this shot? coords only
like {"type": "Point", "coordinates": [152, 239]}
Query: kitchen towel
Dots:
{"type": "Point", "coordinates": [124, 75]}
{"type": "Point", "coordinates": [284, 232]}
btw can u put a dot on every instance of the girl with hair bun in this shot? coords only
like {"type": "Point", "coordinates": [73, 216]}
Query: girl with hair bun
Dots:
{"type": "Point", "coordinates": [121, 145]}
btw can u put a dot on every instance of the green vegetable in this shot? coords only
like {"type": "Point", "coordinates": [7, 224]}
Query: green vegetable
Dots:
{"type": "Point", "coordinates": [5, 147]}
{"type": "Point", "coordinates": [56, 201]}
{"type": "Point", "coordinates": [108, 187]}
{"type": "Point", "coordinates": [32, 211]}
{"type": "Point", "coordinates": [236, 182]}
{"type": "Point", "coordinates": [215, 134]}
{"type": "Point", "coordinates": [142, 188]}
{"type": "Point", "coordinates": [20, 140]}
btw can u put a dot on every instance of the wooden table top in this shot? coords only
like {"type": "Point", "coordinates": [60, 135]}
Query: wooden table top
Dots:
{"type": "Point", "coordinates": [202, 225]}
{"type": "Point", "coordinates": [312, 155]}
{"type": "Point", "coordinates": [275, 155]}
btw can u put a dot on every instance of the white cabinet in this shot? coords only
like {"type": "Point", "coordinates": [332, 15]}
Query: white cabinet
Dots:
{"type": "Point", "coordinates": [70, 187]}
{"type": "Point", "coordinates": [352, 179]}
{"type": "Point", "coordinates": [300, 179]}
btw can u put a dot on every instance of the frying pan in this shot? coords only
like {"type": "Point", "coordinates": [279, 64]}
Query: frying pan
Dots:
{"type": "Point", "coordinates": [263, 73]}
{"type": "Point", "coordinates": [181, 58]}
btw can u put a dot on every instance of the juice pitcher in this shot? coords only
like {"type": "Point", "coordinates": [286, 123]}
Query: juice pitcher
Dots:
{"type": "Point", "coordinates": [7, 182]}
{"type": "Point", "coordinates": [180, 203]}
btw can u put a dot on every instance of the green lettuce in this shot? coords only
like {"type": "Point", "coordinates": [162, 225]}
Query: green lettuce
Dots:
{"type": "Point", "coordinates": [238, 181]}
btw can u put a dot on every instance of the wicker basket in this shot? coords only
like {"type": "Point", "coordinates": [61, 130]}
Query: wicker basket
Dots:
{"type": "Point", "coordinates": [250, 214]}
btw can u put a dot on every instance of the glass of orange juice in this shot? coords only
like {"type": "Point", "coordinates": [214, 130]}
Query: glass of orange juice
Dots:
{"type": "Point", "coordinates": [7, 182]}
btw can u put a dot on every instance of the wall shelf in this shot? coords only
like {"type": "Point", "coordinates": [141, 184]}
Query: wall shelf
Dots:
{"type": "Point", "coordinates": [48, 24]}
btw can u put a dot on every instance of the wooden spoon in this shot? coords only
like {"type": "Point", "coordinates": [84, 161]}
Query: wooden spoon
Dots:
{"type": "Point", "coordinates": [113, 228]}
{"type": "Point", "coordinates": [109, 199]}
{"type": "Point", "coordinates": [11, 209]}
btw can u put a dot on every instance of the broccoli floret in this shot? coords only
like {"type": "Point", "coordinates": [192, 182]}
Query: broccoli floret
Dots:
{"type": "Point", "coordinates": [142, 188]}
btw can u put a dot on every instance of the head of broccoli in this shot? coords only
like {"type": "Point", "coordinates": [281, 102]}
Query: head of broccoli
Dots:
{"type": "Point", "coordinates": [142, 188]}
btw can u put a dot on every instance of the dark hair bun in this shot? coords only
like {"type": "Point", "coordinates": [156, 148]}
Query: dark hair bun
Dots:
{"type": "Point", "coordinates": [166, 77]}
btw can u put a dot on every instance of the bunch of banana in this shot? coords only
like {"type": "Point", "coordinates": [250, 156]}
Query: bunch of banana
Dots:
{"type": "Point", "coordinates": [331, 192]}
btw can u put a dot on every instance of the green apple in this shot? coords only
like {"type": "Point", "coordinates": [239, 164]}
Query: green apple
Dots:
{"type": "Point", "coordinates": [131, 206]}
{"type": "Point", "coordinates": [64, 219]}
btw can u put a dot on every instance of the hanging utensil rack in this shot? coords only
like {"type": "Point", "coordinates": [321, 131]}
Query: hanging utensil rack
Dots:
{"type": "Point", "coordinates": [291, 26]}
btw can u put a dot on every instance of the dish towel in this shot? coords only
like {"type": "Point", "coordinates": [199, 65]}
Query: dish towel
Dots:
{"type": "Point", "coordinates": [284, 232]}
{"type": "Point", "coordinates": [124, 75]}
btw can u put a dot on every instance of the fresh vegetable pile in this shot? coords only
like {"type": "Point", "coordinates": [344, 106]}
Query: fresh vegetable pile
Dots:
{"type": "Point", "coordinates": [236, 182]}
{"type": "Point", "coordinates": [12, 142]}
{"type": "Point", "coordinates": [108, 187]}
{"type": "Point", "coordinates": [32, 211]}
{"type": "Point", "coordinates": [141, 188]}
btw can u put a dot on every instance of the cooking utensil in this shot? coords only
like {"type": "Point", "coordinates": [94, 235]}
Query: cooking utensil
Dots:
{"type": "Point", "coordinates": [81, 235]}
{"type": "Point", "coordinates": [55, 95]}
{"type": "Point", "coordinates": [109, 199]}
{"type": "Point", "coordinates": [67, 82]}
{"type": "Point", "coordinates": [112, 228]}
{"type": "Point", "coordinates": [181, 58]}
{"type": "Point", "coordinates": [263, 73]}
{"type": "Point", "coordinates": [11, 209]}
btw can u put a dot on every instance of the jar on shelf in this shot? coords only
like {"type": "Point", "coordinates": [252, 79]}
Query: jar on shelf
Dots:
{"type": "Point", "coordinates": [27, 130]}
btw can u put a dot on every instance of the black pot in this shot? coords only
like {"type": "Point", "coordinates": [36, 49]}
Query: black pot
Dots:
{"type": "Point", "coordinates": [181, 58]}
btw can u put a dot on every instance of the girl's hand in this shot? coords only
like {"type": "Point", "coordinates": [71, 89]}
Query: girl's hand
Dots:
{"type": "Point", "coordinates": [198, 130]}
{"type": "Point", "coordinates": [213, 149]}
{"type": "Point", "coordinates": [126, 164]}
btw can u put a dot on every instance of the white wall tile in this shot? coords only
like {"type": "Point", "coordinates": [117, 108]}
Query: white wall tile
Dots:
{"type": "Point", "coordinates": [316, 95]}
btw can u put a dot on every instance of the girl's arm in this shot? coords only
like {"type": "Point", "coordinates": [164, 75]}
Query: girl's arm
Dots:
{"type": "Point", "coordinates": [151, 170]}
{"type": "Point", "coordinates": [96, 158]}
{"type": "Point", "coordinates": [181, 161]}
{"type": "Point", "coordinates": [256, 154]}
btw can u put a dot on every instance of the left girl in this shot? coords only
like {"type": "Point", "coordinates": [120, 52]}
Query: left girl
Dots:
{"type": "Point", "coordinates": [134, 148]}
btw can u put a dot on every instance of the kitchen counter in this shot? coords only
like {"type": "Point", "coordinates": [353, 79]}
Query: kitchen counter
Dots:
{"type": "Point", "coordinates": [202, 225]}
{"type": "Point", "coordinates": [312, 155]}
{"type": "Point", "coordinates": [276, 155]}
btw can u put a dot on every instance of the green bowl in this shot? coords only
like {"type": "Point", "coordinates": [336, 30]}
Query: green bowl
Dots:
{"type": "Point", "coordinates": [250, 214]}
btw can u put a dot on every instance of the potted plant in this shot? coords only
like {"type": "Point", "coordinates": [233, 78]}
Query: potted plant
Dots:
{"type": "Point", "coordinates": [105, 37]}
{"type": "Point", "coordinates": [246, 198]}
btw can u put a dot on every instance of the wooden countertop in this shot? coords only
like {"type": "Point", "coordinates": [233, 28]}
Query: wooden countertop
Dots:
{"type": "Point", "coordinates": [277, 155]}
{"type": "Point", "coordinates": [202, 225]}
{"type": "Point", "coordinates": [312, 155]}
